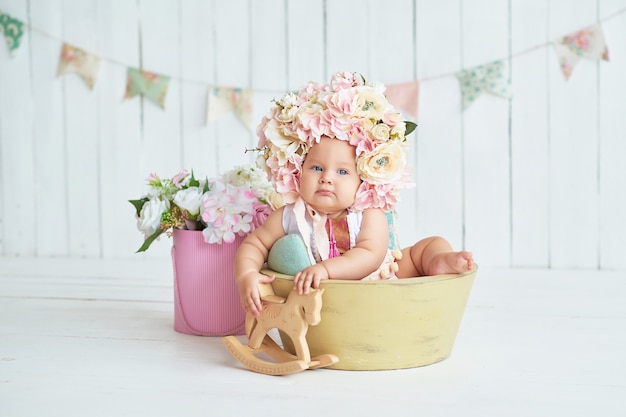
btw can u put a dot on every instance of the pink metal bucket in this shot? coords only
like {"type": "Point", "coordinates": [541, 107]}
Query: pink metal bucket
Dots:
{"type": "Point", "coordinates": [206, 298]}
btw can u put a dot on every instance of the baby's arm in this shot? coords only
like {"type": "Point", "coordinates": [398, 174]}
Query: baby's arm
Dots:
{"type": "Point", "coordinates": [250, 258]}
{"type": "Point", "coordinates": [356, 263]}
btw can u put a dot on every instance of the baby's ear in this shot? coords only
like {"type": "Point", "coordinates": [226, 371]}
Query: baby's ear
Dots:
{"type": "Point", "coordinates": [288, 255]}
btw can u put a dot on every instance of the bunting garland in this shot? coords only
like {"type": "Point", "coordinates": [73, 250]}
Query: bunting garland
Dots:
{"type": "Point", "coordinates": [151, 85]}
{"type": "Point", "coordinates": [491, 78]}
{"type": "Point", "coordinates": [223, 100]}
{"type": "Point", "coordinates": [81, 62]}
{"type": "Point", "coordinates": [586, 43]}
{"type": "Point", "coordinates": [404, 96]}
{"type": "Point", "coordinates": [13, 30]}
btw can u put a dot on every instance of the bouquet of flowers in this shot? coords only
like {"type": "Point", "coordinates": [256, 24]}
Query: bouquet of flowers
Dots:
{"type": "Point", "coordinates": [232, 204]}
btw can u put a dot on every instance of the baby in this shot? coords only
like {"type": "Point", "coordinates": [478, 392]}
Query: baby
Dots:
{"type": "Point", "coordinates": [337, 155]}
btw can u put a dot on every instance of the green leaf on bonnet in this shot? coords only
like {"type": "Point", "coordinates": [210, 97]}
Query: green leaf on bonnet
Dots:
{"type": "Point", "coordinates": [410, 127]}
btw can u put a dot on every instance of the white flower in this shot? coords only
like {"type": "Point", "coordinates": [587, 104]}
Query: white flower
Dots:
{"type": "Point", "coordinates": [212, 234]}
{"type": "Point", "coordinates": [380, 87]}
{"type": "Point", "coordinates": [398, 131]}
{"type": "Point", "coordinates": [249, 177]}
{"type": "Point", "coordinates": [288, 100]}
{"type": "Point", "coordinates": [371, 104]}
{"type": "Point", "coordinates": [158, 187]}
{"type": "Point", "coordinates": [384, 165]}
{"type": "Point", "coordinates": [242, 223]}
{"type": "Point", "coordinates": [150, 216]}
{"type": "Point", "coordinates": [380, 132]}
{"type": "Point", "coordinates": [189, 199]}
{"type": "Point", "coordinates": [285, 147]}
{"type": "Point", "coordinates": [289, 107]}
{"type": "Point", "coordinates": [275, 200]}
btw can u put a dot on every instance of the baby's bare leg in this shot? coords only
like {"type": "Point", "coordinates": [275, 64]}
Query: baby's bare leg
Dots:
{"type": "Point", "coordinates": [433, 256]}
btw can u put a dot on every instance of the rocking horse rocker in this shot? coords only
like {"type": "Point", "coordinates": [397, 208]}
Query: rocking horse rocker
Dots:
{"type": "Point", "coordinates": [292, 316]}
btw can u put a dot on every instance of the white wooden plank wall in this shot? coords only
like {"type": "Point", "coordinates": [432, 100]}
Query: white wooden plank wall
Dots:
{"type": "Point", "coordinates": [535, 181]}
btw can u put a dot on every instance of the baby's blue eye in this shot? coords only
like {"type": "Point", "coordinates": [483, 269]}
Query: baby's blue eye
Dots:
{"type": "Point", "coordinates": [317, 168]}
{"type": "Point", "coordinates": [343, 172]}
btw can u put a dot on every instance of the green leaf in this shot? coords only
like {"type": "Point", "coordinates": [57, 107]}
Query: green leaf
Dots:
{"type": "Point", "coordinates": [206, 186]}
{"type": "Point", "coordinates": [149, 240]}
{"type": "Point", "coordinates": [193, 182]}
{"type": "Point", "coordinates": [138, 204]}
{"type": "Point", "coordinates": [410, 127]}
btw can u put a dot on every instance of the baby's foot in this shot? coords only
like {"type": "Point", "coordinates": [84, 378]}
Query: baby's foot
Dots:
{"type": "Point", "coordinates": [452, 263]}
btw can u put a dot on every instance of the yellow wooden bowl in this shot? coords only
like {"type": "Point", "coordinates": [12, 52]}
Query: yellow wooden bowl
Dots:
{"type": "Point", "coordinates": [372, 325]}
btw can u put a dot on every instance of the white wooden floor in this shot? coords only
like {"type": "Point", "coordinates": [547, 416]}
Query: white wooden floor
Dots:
{"type": "Point", "coordinates": [94, 338]}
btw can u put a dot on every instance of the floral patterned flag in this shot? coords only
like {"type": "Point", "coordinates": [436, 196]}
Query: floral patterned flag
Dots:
{"type": "Point", "coordinates": [491, 78]}
{"type": "Point", "coordinates": [77, 60]}
{"type": "Point", "coordinates": [151, 85]}
{"type": "Point", "coordinates": [404, 96]}
{"type": "Point", "coordinates": [223, 100]}
{"type": "Point", "coordinates": [13, 30]}
{"type": "Point", "coordinates": [588, 42]}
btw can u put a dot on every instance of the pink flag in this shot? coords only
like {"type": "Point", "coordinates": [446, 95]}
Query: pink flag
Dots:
{"type": "Point", "coordinates": [404, 96]}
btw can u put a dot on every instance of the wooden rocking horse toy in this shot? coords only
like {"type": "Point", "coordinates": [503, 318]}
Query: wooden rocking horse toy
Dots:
{"type": "Point", "coordinates": [292, 316]}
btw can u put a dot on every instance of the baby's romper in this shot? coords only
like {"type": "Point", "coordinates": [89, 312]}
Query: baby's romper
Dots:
{"type": "Point", "coordinates": [354, 219]}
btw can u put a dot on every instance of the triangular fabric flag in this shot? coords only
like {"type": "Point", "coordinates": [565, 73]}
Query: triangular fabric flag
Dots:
{"type": "Point", "coordinates": [588, 42]}
{"type": "Point", "coordinates": [77, 60]}
{"type": "Point", "coordinates": [151, 85]}
{"type": "Point", "coordinates": [490, 78]}
{"type": "Point", "coordinates": [13, 30]}
{"type": "Point", "coordinates": [404, 96]}
{"type": "Point", "coordinates": [223, 100]}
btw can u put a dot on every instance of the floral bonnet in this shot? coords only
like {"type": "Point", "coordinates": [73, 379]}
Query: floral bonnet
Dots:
{"type": "Point", "coordinates": [347, 109]}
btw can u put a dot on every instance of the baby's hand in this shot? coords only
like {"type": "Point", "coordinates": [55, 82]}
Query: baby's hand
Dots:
{"type": "Point", "coordinates": [309, 277]}
{"type": "Point", "coordinates": [249, 292]}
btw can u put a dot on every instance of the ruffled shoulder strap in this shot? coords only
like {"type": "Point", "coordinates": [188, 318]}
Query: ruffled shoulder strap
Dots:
{"type": "Point", "coordinates": [354, 225]}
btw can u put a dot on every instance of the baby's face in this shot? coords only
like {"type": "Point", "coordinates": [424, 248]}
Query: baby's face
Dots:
{"type": "Point", "coordinates": [329, 179]}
